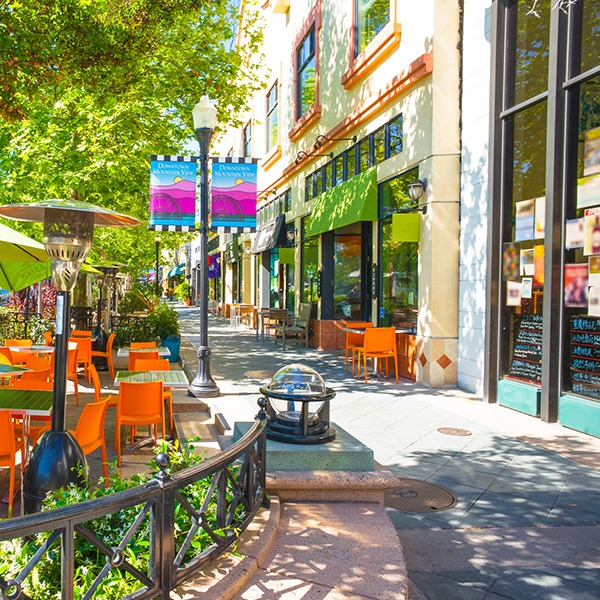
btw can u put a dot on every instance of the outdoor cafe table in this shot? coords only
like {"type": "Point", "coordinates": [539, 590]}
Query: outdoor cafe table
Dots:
{"type": "Point", "coordinates": [176, 379]}
{"type": "Point", "coordinates": [9, 371]}
{"type": "Point", "coordinates": [124, 351]}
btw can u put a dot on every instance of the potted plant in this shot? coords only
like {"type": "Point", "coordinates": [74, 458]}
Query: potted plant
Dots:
{"type": "Point", "coordinates": [164, 322]}
{"type": "Point", "coordinates": [184, 292]}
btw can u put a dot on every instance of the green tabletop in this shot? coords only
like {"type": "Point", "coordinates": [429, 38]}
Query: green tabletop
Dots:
{"type": "Point", "coordinates": [170, 378]}
{"type": "Point", "coordinates": [11, 369]}
{"type": "Point", "coordinates": [31, 402]}
{"type": "Point", "coordinates": [162, 350]}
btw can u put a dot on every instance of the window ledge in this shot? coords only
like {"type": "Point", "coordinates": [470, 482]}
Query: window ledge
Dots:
{"type": "Point", "coordinates": [272, 156]}
{"type": "Point", "coordinates": [373, 55]}
{"type": "Point", "coordinates": [307, 120]}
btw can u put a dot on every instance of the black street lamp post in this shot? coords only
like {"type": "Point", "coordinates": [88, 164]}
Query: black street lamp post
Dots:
{"type": "Point", "coordinates": [205, 116]}
{"type": "Point", "coordinates": [68, 232]}
{"type": "Point", "coordinates": [156, 283]}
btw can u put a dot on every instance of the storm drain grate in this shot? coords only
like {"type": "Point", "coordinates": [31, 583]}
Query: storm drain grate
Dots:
{"type": "Point", "coordinates": [419, 496]}
{"type": "Point", "coordinates": [454, 431]}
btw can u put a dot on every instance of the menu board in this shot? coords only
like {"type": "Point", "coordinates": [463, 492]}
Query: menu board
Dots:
{"type": "Point", "coordinates": [584, 340]}
{"type": "Point", "coordinates": [526, 361]}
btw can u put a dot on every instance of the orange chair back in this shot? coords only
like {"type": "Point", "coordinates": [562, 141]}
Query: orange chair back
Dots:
{"type": "Point", "coordinates": [152, 364]}
{"type": "Point", "coordinates": [38, 375]}
{"type": "Point", "coordinates": [380, 339]}
{"type": "Point", "coordinates": [18, 342]}
{"type": "Point", "coordinates": [48, 338]}
{"type": "Point", "coordinates": [37, 362]}
{"type": "Point", "coordinates": [142, 345]}
{"type": "Point", "coordinates": [112, 400]}
{"type": "Point", "coordinates": [8, 451]}
{"type": "Point", "coordinates": [7, 353]}
{"type": "Point", "coordinates": [133, 356]}
{"type": "Point", "coordinates": [84, 348]}
{"type": "Point", "coordinates": [81, 333]}
{"type": "Point", "coordinates": [25, 384]}
{"type": "Point", "coordinates": [72, 362]}
{"type": "Point", "coordinates": [89, 432]}
{"type": "Point", "coordinates": [352, 337]}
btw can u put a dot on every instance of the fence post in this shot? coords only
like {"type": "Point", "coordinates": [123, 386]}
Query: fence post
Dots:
{"type": "Point", "coordinates": [164, 530]}
{"type": "Point", "coordinates": [262, 450]}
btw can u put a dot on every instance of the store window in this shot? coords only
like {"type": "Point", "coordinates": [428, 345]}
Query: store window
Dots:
{"type": "Point", "coordinates": [371, 18]}
{"type": "Point", "coordinates": [398, 261]}
{"type": "Point", "coordinates": [247, 140]}
{"type": "Point", "coordinates": [347, 273]}
{"type": "Point", "coordinates": [306, 73]}
{"type": "Point", "coordinates": [272, 118]}
{"type": "Point", "coordinates": [310, 265]}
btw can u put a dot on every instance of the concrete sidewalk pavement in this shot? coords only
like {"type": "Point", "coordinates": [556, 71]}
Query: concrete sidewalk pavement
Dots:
{"type": "Point", "coordinates": [524, 523]}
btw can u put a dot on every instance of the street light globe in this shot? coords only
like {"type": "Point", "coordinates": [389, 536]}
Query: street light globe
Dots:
{"type": "Point", "coordinates": [205, 114]}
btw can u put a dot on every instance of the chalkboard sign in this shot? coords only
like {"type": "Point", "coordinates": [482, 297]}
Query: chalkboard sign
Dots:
{"type": "Point", "coordinates": [526, 362]}
{"type": "Point", "coordinates": [584, 340]}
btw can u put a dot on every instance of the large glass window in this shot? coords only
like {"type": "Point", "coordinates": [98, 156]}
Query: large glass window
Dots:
{"type": "Point", "coordinates": [306, 74]}
{"type": "Point", "coordinates": [310, 265]}
{"type": "Point", "coordinates": [399, 261]}
{"type": "Point", "coordinates": [371, 17]}
{"type": "Point", "coordinates": [272, 118]}
{"type": "Point", "coordinates": [247, 139]}
{"type": "Point", "coordinates": [347, 273]}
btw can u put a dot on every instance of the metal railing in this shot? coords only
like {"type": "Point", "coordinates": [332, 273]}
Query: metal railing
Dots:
{"type": "Point", "coordinates": [236, 490]}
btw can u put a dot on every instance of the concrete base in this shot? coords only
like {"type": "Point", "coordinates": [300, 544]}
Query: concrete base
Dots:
{"type": "Point", "coordinates": [345, 453]}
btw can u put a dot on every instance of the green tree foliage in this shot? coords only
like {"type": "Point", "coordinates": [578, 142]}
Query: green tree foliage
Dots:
{"type": "Point", "coordinates": [90, 89]}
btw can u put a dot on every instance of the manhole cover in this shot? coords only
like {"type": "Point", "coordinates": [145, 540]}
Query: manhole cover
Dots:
{"type": "Point", "coordinates": [454, 431]}
{"type": "Point", "coordinates": [259, 374]}
{"type": "Point", "coordinates": [419, 496]}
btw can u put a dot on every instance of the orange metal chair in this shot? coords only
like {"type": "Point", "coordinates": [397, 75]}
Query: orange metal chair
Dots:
{"type": "Point", "coordinates": [134, 356]}
{"type": "Point", "coordinates": [107, 354]}
{"type": "Point", "coordinates": [355, 340]}
{"type": "Point", "coordinates": [72, 371]}
{"type": "Point", "coordinates": [9, 446]}
{"type": "Point", "coordinates": [84, 353]}
{"type": "Point", "coordinates": [379, 343]}
{"type": "Point", "coordinates": [139, 404]}
{"type": "Point", "coordinates": [89, 432]}
{"type": "Point", "coordinates": [142, 345]}
{"type": "Point", "coordinates": [159, 364]}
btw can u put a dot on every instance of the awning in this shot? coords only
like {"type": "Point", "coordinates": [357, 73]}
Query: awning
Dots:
{"type": "Point", "coordinates": [347, 203]}
{"type": "Point", "coordinates": [178, 270]}
{"type": "Point", "coordinates": [272, 234]}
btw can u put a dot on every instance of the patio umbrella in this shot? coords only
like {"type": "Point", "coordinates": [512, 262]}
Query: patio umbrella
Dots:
{"type": "Point", "coordinates": [23, 261]}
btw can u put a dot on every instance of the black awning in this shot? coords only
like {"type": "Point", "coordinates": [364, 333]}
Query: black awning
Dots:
{"type": "Point", "coordinates": [272, 234]}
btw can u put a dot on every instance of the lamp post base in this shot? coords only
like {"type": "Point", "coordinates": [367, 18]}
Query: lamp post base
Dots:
{"type": "Point", "coordinates": [203, 385]}
{"type": "Point", "coordinates": [57, 460]}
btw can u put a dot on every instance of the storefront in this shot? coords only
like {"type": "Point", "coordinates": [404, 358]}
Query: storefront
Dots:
{"type": "Point", "coordinates": [544, 326]}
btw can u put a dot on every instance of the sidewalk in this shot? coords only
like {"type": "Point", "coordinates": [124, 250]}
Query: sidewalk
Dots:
{"type": "Point", "coordinates": [525, 521]}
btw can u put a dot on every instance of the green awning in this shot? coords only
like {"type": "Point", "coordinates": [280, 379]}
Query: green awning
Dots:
{"type": "Point", "coordinates": [347, 203]}
{"type": "Point", "coordinates": [178, 270]}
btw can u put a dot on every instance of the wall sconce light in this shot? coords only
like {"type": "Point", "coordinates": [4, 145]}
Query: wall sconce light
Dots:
{"type": "Point", "coordinates": [417, 189]}
{"type": "Point", "coordinates": [302, 155]}
{"type": "Point", "coordinates": [265, 193]}
{"type": "Point", "coordinates": [321, 139]}
{"type": "Point", "coordinates": [291, 236]}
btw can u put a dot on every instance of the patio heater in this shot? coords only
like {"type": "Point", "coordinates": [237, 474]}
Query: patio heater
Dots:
{"type": "Point", "coordinates": [298, 406]}
{"type": "Point", "coordinates": [68, 233]}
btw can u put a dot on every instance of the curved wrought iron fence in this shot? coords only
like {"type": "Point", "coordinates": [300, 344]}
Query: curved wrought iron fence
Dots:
{"type": "Point", "coordinates": [236, 490]}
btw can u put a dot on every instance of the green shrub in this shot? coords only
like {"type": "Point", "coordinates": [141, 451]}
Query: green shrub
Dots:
{"type": "Point", "coordinates": [164, 321]}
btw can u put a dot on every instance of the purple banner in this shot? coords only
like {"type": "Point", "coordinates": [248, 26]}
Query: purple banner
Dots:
{"type": "Point", "coordinates": [214, 266]}
{"type": "Point", "coordinates": [172, 193]}
{"type": "Point", "coordinates": [234, 194]}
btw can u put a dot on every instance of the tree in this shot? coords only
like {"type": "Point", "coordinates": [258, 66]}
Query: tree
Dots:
{"type": "Point", "coordinates": [88, 90]}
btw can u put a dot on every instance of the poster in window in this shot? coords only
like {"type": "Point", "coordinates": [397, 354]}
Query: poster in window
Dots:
{"type": "Point", "coordinates": [591, 152]}
{"type": "Point", "coordinates": [594, 271]}
{"type": "Point", "coordinates": [574, 233]}
{"type": "Point", "coordinates": [513, 293]}
{"type": "Point", "coordinates": [526, 261]}
{"type": "Point", "coordinates": [538, 265]}
{"type": "Point", "coordinates": [524, 219]}
{"type": "Point", "coordinates": [576, 285]}
{"type": "Point", "coordinates": [540, 218]}
{"type": "Point", "coordinates": [510, 262]}
{"type": "Point", "coordinates": [526, 287]}
{"type": "Point", "coordinates": [594, 301]}
{"type": "Point", "coordinates": [592, 231]}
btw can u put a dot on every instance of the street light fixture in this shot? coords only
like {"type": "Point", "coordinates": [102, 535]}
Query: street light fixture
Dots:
{"type": "Point", "coordinates": [68, 233]}
{"type": "Point", "coordinates": [205, 118]}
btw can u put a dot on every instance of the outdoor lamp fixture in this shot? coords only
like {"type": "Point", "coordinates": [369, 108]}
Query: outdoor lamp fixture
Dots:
{"type": "Point", "coordinates": [205, 118]}
{"type": "Point", "coordinates": [417, 189]}
{"type": "Point", "coordinates": [302, 155]}
{"type": "Point", "coordinates": [321, 139]}
{"type": "Point", "coordinates": [68, 232]}
{"type": "Point", "coordinates": [298, 406]}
